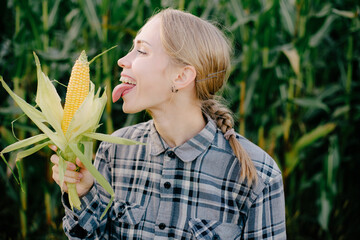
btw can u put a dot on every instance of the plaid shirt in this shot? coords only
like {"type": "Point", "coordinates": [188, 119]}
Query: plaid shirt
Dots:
{"type": "Point", "coordinates": [187, 192]}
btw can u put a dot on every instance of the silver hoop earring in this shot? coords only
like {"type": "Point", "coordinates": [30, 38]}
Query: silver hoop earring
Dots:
{"type": "Point", "coordinates": [174, 89]}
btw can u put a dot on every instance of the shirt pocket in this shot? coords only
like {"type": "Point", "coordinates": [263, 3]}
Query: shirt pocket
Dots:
{"type": "Point", "coordinates": [214, 230]}
{"type": "Point", "coordinates": [125, 212]}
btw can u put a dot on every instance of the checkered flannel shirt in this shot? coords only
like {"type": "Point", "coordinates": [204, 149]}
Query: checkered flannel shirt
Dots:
{"type": "Point", "coordinates": [187, 192]}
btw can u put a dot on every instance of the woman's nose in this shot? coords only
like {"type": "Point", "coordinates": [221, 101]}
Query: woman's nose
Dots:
{"type": "Point", "coordinates": [124, 62]}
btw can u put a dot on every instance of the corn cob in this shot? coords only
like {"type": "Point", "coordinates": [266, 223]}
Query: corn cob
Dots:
{"type": "Point", "coordinates": [72, 129]}
{"type": "Point", "coordinates": [77, 90]}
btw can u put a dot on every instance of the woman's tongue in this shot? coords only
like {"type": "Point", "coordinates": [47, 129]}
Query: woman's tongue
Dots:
{"type": "Point", "coordinates": [120, 90]}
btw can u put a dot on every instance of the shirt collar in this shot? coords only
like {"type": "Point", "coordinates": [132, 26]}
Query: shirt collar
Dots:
{"type": "Point", "coordinates": [189, 150]}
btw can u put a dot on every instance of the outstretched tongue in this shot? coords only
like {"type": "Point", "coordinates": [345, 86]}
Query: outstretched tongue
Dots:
{"type": "Point", "coordinates": [119, 91]}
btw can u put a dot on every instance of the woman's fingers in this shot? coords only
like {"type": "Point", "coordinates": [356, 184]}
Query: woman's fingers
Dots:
{"type": "Point", "coordinates": [81, 177]}
{"type": "Point", "coordinates": [66, 179]}
{"type": "Point", "coordinates": [53, 147]}
{"type": "Point", "coordinates": [69, 176]}
{"type": "Point", "coordinates": [55, 160]}
{"type": "Point", "coordinates": [80, 164]}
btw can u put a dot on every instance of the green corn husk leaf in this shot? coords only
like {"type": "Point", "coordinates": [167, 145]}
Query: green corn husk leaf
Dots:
{"type": "Point", "coordinates": [83, 125]}
{"type": "Point", "coordinates": [12, 172]}
{"type": "Point", "coordinates": [24, 154]}
{"type": "Point", "coordinates": [89, 113]}
{"type": "Point", "coordinates": [24, 143]}
{"type": "Point", "coordinates": [94, 172]}
{"type": "Point", "coordinates": [111, 139]}
{"type": "Point", "coordinates": [74, 199]}
{"type": "Point", "coordinates": [21, 144]}
{"type": "Point", "coordinates": [31, 151]}
{"type": "Point", "coordinates": [48, 99]}
{"type": "Point", "coordinates": [37, 117]}
{"type": "Point", "coordinates": [62, 169]}
{"type": "Point", "coordinates": [22, 104]}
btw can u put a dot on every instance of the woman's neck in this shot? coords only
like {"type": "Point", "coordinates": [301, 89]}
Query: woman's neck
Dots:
{"type": "Point", "coordinates": [178, 124]}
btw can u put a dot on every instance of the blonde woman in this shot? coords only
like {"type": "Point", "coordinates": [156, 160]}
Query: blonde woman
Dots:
{"type": "Point", "coordinates": [195, 178]}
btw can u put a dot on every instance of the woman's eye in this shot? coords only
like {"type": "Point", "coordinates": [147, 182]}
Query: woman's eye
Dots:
{"type": "Point", "coordinates": [141, 52]}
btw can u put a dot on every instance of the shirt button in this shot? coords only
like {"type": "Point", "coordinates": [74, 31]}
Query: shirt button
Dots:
{"type": "Point", "coordinates": [216, 237]}
{"type": "Point", "coordinates": [171, 154]}
{"type": "Point", "coordinates": [167, 185]}
{"type": "Point", "coordinates": [162, 226]}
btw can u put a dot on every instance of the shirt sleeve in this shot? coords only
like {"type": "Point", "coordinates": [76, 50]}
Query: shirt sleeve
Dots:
{"type": "Point", "coordinates": [87, 222]}
{"type": "Point", "coordinates": [266, 218]}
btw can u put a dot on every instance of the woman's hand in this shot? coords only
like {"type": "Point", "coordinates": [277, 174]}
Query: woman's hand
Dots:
{"type": "Point", "coordinates": [83, 178]}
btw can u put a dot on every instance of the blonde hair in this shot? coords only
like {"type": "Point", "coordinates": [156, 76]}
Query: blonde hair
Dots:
{"type": "Point", "coordinates": [190, 40]}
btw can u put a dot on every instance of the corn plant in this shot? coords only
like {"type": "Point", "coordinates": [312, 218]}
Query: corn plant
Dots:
{"type": "Point", "coordinates": [294, 91]}
{"type": "Point", "coordinates": [72, 126]}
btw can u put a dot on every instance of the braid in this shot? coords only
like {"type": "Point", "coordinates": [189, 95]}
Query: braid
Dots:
{"type": "Point", "coordinates": [224, 121]}
{"type": "Point", "coordinates": [210, 55]}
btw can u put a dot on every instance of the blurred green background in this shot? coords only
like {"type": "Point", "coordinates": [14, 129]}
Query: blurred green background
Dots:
{"type": "Point", "coordinates": [294, 89]}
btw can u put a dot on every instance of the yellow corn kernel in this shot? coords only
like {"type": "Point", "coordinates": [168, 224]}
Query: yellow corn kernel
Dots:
{"type": "Point", "coordinates": [77, 89]}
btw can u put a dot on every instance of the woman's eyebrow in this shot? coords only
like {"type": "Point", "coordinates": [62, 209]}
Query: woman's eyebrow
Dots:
{"type": "Point", "coordinates": [139, 41]}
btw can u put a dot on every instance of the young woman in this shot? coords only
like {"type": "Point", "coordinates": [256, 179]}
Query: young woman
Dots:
{"type": "Point", "coordinates": [195, 178]}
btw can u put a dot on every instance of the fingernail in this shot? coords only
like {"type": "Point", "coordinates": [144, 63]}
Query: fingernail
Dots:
{"type": "Point", "coordinates": [52, 147]}
{"type": "Point", "coordinates": [80, 175]}
{"type": "Point", "coordinates": [72, 166]}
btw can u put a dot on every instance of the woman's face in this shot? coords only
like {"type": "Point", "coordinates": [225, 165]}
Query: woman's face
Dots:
{"type": "Point", "coordinates": [147, 73]}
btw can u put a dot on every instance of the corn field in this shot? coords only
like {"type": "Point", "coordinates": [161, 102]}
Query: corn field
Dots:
{"type": "Point", "coordinates": [294, 91]}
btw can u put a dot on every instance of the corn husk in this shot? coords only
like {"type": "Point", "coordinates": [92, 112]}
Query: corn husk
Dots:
{"type": "Point", "coordinates": [77, 140]}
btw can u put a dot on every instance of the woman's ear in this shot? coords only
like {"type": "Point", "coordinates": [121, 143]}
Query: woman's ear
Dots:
{"type": "Point", "coordinates": [185, 77]}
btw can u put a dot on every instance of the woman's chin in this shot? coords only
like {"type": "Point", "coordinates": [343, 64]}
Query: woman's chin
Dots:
{"type": "Point", "coordinates": [130, 110]}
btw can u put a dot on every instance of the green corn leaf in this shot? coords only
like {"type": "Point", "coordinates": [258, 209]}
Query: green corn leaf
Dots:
{"type": "Point", "coordinates": [12, 172]}
{"type": "Point", "coordinates": [24, 154]}
{"type": "Point", "coordinates": [36, 116]}
{"type": "Point", "coordinates": [311, 103]}
{"type": "Point", "coordinates": [294, 59]}
{"type": "Point", "coordinates": [112, 139]}
{"type": "Point", "coordinates": [18, 166]}
{"type": "Point", "coordinates": [24, 143]}
{"type": "Point", "coordinates": [53, 13]}
{"type": "Point", "coordinates": [22, 103]}
{"type": "Point", "coordinates": [325, 210]}
{"type": "Point", "coordinates": [62, 170]}
{"type": "Point", "coordinates": [347, 14]}
{"type": "Point", "coordinates": [91, 15]}
{"type": "Point", "coordinates": [323, 31]}
{"type": "Point", "coordinates": [32, 150]}
{"type": "Point", "coordinates": [309, 138]}
{"type": "Point", "coordinates": [288, 16]}
{"type": "Point", "coordinates": [88, 149]}
{"type": "Point", "coordinates": [94, 172]}
{"type": "Point", "coordinates": [324, 11]}
{"type": "Point", "coordinates": [292, 157]}
{"type": "Point", "coordinates": [48, 99]}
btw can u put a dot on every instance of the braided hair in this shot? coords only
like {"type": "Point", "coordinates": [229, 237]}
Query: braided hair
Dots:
{"type": "Point", "coordinates": [201, 44]}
